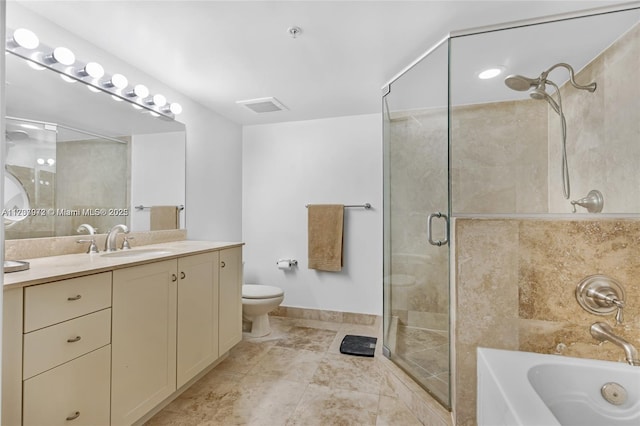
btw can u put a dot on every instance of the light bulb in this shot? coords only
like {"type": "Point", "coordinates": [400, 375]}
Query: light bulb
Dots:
{"type": "Point", "coordinates": [139, 90]}
{"type": "Point", "coordinates": [159, 100]}
{"type": "Point", "coordinates": [175, 108]}
{"type": "Point", "coordinates": [93, 89]}
{"type": "Point", "coordinates": [118, 81]}
{"type": "Point", "coordinates": [63, 56]}
{"type": "Point", "coordinates": [51, 161]}
{"type": "Point", "coordinates": [115, 98]}
{"type": "Point", "coordinates": [35, 66]}
{"type": "Point", "coordinates": [25, 38]}
{"type": "Point", "coordinates": [40, 161]}
{"type": "Point", "coordinates": [92, 69]}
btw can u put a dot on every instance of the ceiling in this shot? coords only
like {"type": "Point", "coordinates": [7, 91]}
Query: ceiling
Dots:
{"type": "Point", "coordinates": [220, 52]}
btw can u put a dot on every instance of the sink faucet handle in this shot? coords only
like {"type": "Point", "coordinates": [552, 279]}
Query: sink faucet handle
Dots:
{"type": "Point", "coordinates": [93, 248]}
{"type": "Point", "coordinates": [125, 243]}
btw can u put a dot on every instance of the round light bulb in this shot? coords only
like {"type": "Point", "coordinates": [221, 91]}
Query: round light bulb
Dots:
{"type": "Point", "coordinates": [136, 106]}
{"type": "Point", "coordinates": [154, 114]}
{"type": "Point", "coordinates": [93, 89]}
{"type": "Point", "coordinates": [93, 70]}
{"type": "Point", "coordinates": [141, 91]}
{"type": "Point", "coordinates": [159, 100]}
{"type": "Point", "coordinates": [51, 161]}
{"type": "Point", "coordinates": [40, 161]}
{"type": "Point", "coordinates": [63, 56]}
{"type": "Point", "coordinates": [119, 81]}
{"type": "Point", "coordinates": [25, 38]}
{"type": "Point", "coordinates": [115, 98]}
{"type": "Point", "coordinates": [175, 108]}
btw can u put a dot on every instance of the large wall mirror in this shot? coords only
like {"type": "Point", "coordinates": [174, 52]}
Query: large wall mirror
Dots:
{"type": "Point", "coordinates": [74, 156]}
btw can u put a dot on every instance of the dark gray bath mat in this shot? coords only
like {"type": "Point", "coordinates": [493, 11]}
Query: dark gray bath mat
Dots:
{"type": "Point", "coordinates": [358, 345]}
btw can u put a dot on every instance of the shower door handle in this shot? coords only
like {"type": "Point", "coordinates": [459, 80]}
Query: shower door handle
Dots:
{"type": "Point", "coordinates": [430, 232]}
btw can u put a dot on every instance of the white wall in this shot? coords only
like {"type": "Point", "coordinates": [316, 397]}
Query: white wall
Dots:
{"type": "Point", "coordinates": [214, 147]}
{"type": "Point", "coordinates": [289, 165]}
{"type": "Point", "coordinates": [152, 181]}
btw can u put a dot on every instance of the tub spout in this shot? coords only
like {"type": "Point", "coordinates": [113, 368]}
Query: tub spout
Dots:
{"type": "Point", "coordinates": [603, 332]}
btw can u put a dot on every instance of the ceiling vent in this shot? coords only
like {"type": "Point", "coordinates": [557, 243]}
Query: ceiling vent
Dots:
{"type": "Point", "coordinates": [261, 105]}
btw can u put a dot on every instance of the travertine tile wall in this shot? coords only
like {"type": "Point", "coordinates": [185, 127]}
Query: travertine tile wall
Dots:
{"type": "Point", "coordinates": [603, 130]}
{"type": "Point", "coordinates": [515, 289]}
{"type": "Point", "coordinates": [499, 158]}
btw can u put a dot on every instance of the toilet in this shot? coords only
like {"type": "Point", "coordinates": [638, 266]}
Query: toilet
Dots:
{"type": "Point", "coordinates": [257, 302]}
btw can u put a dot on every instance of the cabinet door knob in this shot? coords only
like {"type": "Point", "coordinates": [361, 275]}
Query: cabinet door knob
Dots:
{"type": "Point", "coordinates": [222, 264]}
{"type": "Point", "coordinates": [74, 416]}
{"type": "Point", "coordinates": [74, 339]}
{"type": "Point", "coordinates": [182, 275]}
{"type": "Point", "coordinates": [174, 278]}
{"type": "Point", "coordinates": [76, 297]}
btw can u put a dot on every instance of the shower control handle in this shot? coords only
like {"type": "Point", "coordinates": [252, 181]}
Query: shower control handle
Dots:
{"type": "Point", "coordinates": [430, 230]}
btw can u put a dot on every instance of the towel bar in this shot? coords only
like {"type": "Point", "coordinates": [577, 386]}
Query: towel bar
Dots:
{"type": "Point", "coordinates": [141, 207]}
{"type": "Point", "coordinates": [364, 206]}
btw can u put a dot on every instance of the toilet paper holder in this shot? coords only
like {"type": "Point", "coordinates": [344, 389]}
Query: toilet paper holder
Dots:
{"type": "Point", "coordinates": [286, 263]}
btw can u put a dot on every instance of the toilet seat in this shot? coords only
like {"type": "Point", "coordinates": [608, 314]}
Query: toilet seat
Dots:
{"type": "Point", "coordinates": [256, 291]}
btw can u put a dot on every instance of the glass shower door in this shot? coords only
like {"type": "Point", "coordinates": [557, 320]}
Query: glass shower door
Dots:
{"type": "Point", "coordinates": [416, 247]}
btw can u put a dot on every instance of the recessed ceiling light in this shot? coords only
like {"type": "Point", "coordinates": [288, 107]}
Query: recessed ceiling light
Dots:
{"type": "Point", "coordinates": [490, 73]}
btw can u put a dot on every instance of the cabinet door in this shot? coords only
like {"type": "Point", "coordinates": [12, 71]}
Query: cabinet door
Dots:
{"type": "Point", "coordinates": [197, 314]}
{"type": "Point", "coordinates": [230, 327]}
{"type": "Point", "coordinates": [75, 393]}
{"type": "Point", "coordinates": [143, 339]}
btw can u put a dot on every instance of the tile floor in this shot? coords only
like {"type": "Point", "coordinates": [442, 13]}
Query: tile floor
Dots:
{"type": "Point", "coordinates": [295, 376]}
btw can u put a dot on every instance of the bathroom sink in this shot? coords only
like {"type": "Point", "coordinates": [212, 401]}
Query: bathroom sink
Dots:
{"type": "Point", "coordinates": [136, 252]}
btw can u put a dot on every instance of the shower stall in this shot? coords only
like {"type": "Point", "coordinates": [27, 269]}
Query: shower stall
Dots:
{"type": "Point", "coordinates": [462, 149]}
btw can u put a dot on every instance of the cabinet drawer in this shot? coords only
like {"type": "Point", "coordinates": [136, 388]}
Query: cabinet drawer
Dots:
{"type": "Point", "coordinates": [49, 304]}
{"type": "Point", "coordinates": [55, 345]}
{"type": "Point", "coordinates": [78, 388]}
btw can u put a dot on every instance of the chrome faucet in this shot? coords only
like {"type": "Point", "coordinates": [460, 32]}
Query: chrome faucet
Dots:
{"type": "Point", "coordinates": [110, 242]}
{"type": "Point", "coordinates": [93, 248]}
{"type": "Point", "coordinates": [603, 332]}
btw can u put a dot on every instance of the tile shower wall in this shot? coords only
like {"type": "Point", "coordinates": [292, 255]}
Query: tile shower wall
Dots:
{"type": "Point", "coordinates": [602, 127]}
{"type": "Point", "coordinates": [516, 283]}
{"type": "Point", "coordinates": [499, 158]}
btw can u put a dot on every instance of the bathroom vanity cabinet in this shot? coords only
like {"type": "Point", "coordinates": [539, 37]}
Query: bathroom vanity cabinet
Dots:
{"type": "Point", "coordinates": [112, 347]}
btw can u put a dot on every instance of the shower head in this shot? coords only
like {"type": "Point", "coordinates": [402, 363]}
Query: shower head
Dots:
{"type": "Point", "coordinates": [521, 83]}
{"type": "Point", "coordinates": [540, 93]}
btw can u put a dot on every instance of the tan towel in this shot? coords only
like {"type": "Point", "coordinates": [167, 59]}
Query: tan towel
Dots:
{"type": "Point", "coordinates": [164, 217]}
{"type": "Point", "coordinates": [325, 223]}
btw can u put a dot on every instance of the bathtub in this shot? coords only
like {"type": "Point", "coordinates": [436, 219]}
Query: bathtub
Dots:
{"type": "Point", "coordinates": [529, 389]}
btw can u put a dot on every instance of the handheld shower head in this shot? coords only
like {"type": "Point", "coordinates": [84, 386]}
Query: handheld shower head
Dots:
{"type": "Point", "coordinates": [540, 93]}
{"type": "Point", "coordinates": [520, 83]}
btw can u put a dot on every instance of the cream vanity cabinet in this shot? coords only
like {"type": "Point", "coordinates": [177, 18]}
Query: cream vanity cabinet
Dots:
{"type": "Point", "coordinates": [112, 347]}
{"type": "Point", "coordinates": [166, 321]}
{"type": "Point", "coordinates": [66, 352]}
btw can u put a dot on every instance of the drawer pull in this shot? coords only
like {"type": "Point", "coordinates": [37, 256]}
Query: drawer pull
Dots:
{"type": "Point", "coordinates": [222, 264]}
{"type": "Point", "coordinates": [74, 339]}
{"type": "Point", "coordinates": [183, 275]}
{"type": "Point", "coordinates": [71, 299]}
{"type": "Point", "coordinates": [174, 278]}
{"type": "Point", "coordinates": [74, 416]}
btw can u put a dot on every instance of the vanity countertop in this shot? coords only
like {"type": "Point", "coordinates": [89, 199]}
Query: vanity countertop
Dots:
{"type": "Point", "coordinates": [54, 268]}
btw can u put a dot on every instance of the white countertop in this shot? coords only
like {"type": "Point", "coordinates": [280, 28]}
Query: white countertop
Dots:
{"type": "Point", "coordinates": [54, 268]}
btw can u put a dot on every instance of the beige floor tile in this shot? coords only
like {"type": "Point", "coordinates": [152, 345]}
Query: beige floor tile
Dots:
{"type": "Point", "coordinates": [393, 412]}
{"type": "Point", "coordinates": [259, 401]}
{"type": "Point", "coordinates": [311, 339]}
{"type": "Point", "coordinates": [349, 372]}
{"type": "Point", "coordinates": [297, 365]}
{"type": "Point", "coordinates": [324, 406]}
{"type": "Point", "coordinates": [244, 356]}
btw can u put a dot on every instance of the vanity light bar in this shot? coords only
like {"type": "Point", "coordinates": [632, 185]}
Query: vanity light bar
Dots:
{"type": "Point", "coordinates": [63, 61]}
